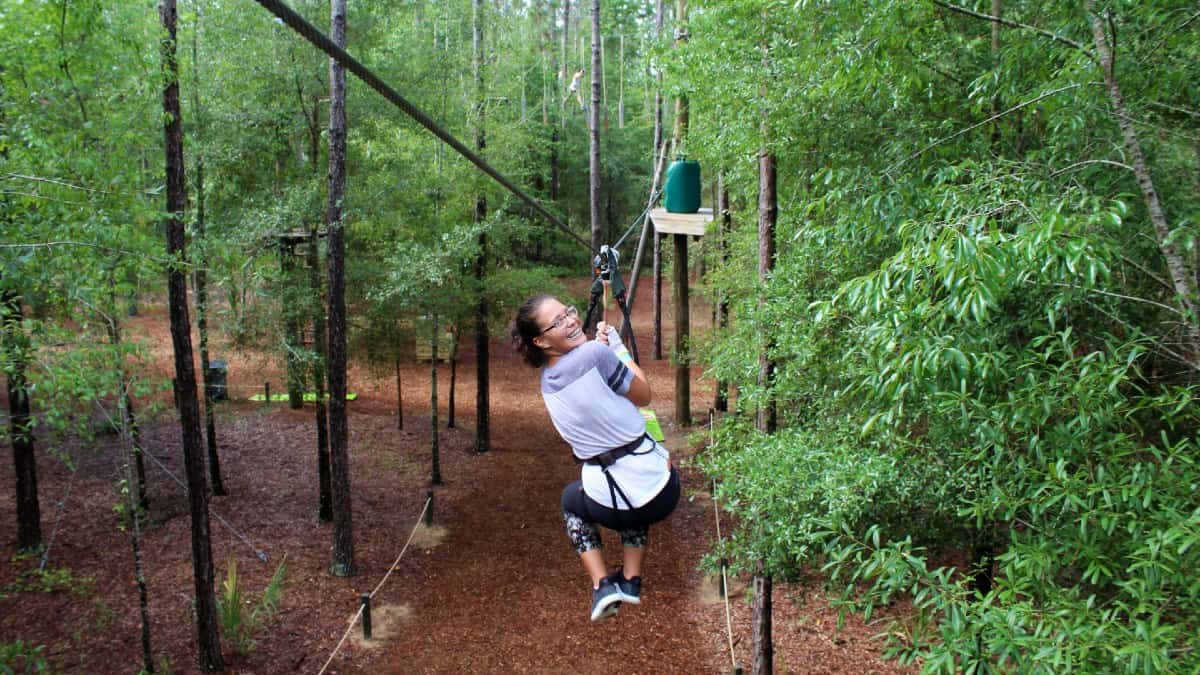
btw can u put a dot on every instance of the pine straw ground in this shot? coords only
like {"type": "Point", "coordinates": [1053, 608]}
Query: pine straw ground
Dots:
{"type": "Point", "coordinates": [493, 587]}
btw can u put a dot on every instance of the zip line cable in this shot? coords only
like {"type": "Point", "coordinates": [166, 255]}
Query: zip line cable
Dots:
{"type": "Point", "coordinates": [322, 42]}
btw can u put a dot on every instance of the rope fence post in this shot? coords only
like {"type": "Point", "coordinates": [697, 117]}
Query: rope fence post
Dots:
{"type": "Point", "coordinates": [366, 615]}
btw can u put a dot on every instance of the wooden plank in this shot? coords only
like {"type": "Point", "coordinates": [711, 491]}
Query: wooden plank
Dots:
{"type": "Point", "coordinates": [666, 222]}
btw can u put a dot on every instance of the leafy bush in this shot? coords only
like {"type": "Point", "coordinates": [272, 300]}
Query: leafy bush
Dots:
{"type": "Point", "coordinates": [239, 622]}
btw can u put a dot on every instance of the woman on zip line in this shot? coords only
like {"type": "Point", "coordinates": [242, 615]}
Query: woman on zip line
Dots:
{"type": "Point", "coordinates": [592, 389]}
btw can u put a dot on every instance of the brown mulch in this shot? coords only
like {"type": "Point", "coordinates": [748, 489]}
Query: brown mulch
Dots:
{"type": "Point", "coordinates": [492, 587]}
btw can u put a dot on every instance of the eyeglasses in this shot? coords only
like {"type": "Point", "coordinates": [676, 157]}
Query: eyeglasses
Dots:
{"type": "Point", "coordinates": [571, 313]}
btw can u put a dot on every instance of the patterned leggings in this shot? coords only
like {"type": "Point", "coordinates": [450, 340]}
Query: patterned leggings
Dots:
{"type": "Point", "coordinates": [583, 516]}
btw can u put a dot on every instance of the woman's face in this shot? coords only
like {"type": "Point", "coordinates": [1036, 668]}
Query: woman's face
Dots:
{"type": "Point", "coordinates": [562, 329]}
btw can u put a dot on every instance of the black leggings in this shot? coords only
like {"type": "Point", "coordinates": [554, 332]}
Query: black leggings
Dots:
{"type": "Point", "coordinates": [582, 515]}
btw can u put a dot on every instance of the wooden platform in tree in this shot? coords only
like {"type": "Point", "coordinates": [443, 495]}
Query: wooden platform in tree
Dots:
{"type": "Point", "coordinates": [666, 222]}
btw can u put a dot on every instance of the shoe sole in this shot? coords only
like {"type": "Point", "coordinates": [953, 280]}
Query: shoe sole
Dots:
{"type": "Point", "coordinates": [608, 610]}
{"type": "Point", "coordinates": [631, 599]}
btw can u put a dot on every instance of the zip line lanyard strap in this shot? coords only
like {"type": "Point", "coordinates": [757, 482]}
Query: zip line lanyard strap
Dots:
{"type": "Point", "coordinates": [322, 42]}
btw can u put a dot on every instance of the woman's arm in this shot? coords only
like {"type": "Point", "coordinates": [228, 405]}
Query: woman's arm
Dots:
{"type": "Point", "coordinates": [639, 388]}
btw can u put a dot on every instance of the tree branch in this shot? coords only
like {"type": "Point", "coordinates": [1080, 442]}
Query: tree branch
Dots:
{"type": "Point", "coordinates": [1077, 165]}
{"type": "Point", "coordinates": [1016, 24]}
{"type": "Point", "coordinates": [989, 120]}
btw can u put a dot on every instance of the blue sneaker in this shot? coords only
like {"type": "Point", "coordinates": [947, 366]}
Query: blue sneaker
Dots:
{"type": "Point", "coordinates": [606, 600]}
{"type": "Point", "coordinates": [629, 589]}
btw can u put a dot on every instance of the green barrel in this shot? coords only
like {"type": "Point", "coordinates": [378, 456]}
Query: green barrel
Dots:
{"type": "Point", "coordinates": [683, 186]}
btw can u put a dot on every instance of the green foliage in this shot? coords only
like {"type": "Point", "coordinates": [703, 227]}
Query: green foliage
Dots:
{"type": "Point", "coordinates": [980, 369]}
{"type": "Point", "coordinates": [47, 580]}
{"type": "Point", "coordinates": [19, 657]}
{"type": "Point", "coordinates": [241, 619]}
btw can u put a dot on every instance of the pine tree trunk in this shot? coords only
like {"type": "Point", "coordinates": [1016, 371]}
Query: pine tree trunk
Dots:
{"type": "Point", "coordinates": [483, 433]}
{"type": "Point", "coordinates": [210, 425]}
{"type": "Point", "coordinates": [339, 433]}
{"type": "Point", "coordinates": [209, 640]}
{"type": "Point", "coordinates": [136, 511]}
{"type": "Point", "coordinates": [594, 134]}
{"type": "Point", "coordinates": [453, 378]}
{"type": "Point", "coordinates": [20, 427]}
{"type": "Point", "coordinates": [725, 226]}
{"type": "Point", "coordinates": [768, 212]}
{"type": "Point", "coordinates": [399, 397]}
{"type": "Point", "coordinates": [319, 373]}
{"type": "Point", "coordinates": [435, 470]}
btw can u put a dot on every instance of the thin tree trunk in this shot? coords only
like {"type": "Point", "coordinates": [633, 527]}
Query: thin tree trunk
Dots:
{"type": "Point", "coordinates": [435, 470]}
{"type": "Point", "coordinates": [210, 425]}
{"type": "Point", "coordinates": [594, 134]}
{"type": "Point", "coordinates": [768, 212]}
{"type": "Point", "coordinates": [20, 423]}
{"type": "Point", "coordinates": [566, 69]}
{"type": "Point", "coordinates": [339, 433]}
{"type": "Point", "coordinates": [319, 374]}
{"type": "Point", "coordinates": [656, 257]}
{"type": "Point", "coordinates": [136, 510]}
{"type": "Point", "coordinates": [725, 225]}
{"type": "Point", "coordinates": [399, 397]}
{"type": "Point", "coordinates": [209, 639]}
{"type": "Point", "coordinates": [453, 378]}
{"type": "Point", "coordinates": [1183, 277]}
{"type": "Point", "coordinates": [483, 433]}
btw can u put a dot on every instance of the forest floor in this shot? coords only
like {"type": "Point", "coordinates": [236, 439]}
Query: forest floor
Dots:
{"type": "Point", "coordinates": [491, 587]}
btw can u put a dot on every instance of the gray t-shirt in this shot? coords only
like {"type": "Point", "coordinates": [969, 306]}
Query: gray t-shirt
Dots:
{"type": "Point", "coordinates": [585, 394]}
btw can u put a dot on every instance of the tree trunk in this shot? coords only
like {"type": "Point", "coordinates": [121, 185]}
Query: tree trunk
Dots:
{"type": "Point", "coordinates": [768, 212]}
{"type": "Point", "coordinates": [656, 254]}
{"type": "Point", "coordinates": [209, 640]}
{"type": "Point", "coordinates": [339, 433]}
{"type": "Point", "coordinates": [453, 378]}
{"type": "Point", "coordinates": [594, 134]}
{"type": "Point", "coordinates": [136, 509]}
{"type": "Point", "coordinates": [566, 68]}
{"type": "Point", "coordinates": [399, 397]}
{"type": "Point", "coordinates": [764, 651]}
{"type": "Point", "coordinates": [1183, 277]}
{"type": "Point", "coordinates": [20, 424]}
{"type": "Point", "coordinates": [210, 425]}
{"type": "Point", "coordinates": [483, 433]}
{"type": "Point", "coordinates": [725, 225]}
{"type": "Point", "coordinates": [319, 373]}
{"type": "Point", "coordinates": [435, 470]}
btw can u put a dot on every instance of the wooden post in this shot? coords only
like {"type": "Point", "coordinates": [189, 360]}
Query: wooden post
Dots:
{"type": "Point", "coordinates": [429, 511]}
{"type": "Point", "coordinates": [266, 393]}
{"type": "Point", "coordinates": [683, 369]}
{"type": "Point", "coordinates": [366, 615]}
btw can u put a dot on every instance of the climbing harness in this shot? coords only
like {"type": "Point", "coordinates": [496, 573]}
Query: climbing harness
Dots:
{"type": "Point", "coordinates": [606, 459]}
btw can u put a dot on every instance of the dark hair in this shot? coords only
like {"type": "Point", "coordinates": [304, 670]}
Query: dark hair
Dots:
{"type": "Point", "coordinates": [524, 329]}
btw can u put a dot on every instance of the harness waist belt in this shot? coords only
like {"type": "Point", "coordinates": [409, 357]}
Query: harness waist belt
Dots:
{"type": "Point", "coordinates": [610, 457]}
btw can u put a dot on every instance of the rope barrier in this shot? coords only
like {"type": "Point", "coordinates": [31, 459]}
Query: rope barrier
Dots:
{"type": "Point", "coordinates": [322, 42]}
{"type": "Point", "coordinates": [358, 614]}
{"type": "Point", "coordinates": [262, 556]}
{"type": "Point", "coordinates": [724, 578]}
